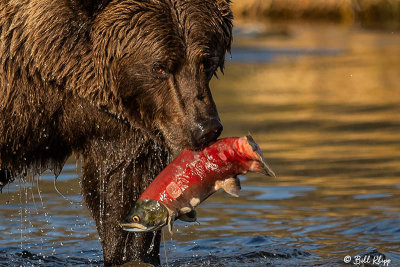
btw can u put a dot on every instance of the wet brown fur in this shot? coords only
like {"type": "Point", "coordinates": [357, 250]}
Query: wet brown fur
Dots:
{"type": "Point", "coordinates": [75, 77]}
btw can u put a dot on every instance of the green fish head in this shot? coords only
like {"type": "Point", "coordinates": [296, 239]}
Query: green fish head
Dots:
{"type": "Point", "coordinates": [145, 216]}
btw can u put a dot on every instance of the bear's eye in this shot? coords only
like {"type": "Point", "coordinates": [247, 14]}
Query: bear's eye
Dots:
{"type": "Point", "coordinates": [210, 66]}
{"type": "Point", "coordinates": [160, 70]}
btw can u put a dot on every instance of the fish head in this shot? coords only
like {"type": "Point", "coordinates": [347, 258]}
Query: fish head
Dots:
{"type": "Point", "coordinates": [145, 216]}
{"type": "Point", "coordinates": [248, 148]}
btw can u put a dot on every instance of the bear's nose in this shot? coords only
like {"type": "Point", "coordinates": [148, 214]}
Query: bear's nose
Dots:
{"type": "Point", "coordinates": [207, 132]}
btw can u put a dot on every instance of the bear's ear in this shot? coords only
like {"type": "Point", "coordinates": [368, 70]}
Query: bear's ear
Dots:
{"type": "Point", "coordinates": [224, 7]}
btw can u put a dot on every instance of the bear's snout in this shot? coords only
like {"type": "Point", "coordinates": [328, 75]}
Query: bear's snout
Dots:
{"type": "Point", "coordinates": [206, 132]}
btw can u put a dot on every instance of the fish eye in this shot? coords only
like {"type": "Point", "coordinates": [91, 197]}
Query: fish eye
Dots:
{"type": "Point", "coordinates": [135, 219]}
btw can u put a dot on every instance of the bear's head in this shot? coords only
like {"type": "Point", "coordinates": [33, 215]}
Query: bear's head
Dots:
{"type": "Point", "coordinates": [154, 60]}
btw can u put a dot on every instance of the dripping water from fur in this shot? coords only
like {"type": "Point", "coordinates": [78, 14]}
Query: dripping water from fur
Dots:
{"type": "Point", "coordinates": [56, 175]}
{"type": "Point", "coordinates": [152, 243]}
{"type": "Point", "coordinates": [101, 195]}
{"type": "Point", "coordinates": [126, 242]}
{"type": "Point", "coordinates": [41, 202]}
{"type": "Point", "coordinates": [165, 248]}
{"type": "Point", "coordinates": [20, 211]}
{"type": "Point", "coordinates": [57, 168]}
{"type": "Point", "coordinates": [32, 180]}
{"type": "Point", "coordinates": [57, 171]}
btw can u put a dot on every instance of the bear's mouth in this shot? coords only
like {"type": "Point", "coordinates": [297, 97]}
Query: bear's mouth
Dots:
{"type": "Point", "coordinates": [177, 147]}
{"type": "Point", "coordinates": [179, 137]}
{"type": "Point", "coordinates": [177, 143]}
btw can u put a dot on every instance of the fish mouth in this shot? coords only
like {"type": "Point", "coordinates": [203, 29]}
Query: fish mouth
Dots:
{"type": "Point", "coordinates": [134, 227]}
{"type": "Point", "coordinates": [137, 227]}
{"type": "Point", "coordinates": [261, 164]}
{"type": "Point", "coordinates": [266, 169]}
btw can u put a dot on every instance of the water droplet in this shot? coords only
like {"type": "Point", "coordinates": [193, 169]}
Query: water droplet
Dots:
{"type": "Point", "coordinates": [152, 243]}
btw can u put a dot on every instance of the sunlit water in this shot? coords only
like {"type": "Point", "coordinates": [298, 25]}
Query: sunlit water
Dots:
{"type": "Point", "coordinates": [324, 104]}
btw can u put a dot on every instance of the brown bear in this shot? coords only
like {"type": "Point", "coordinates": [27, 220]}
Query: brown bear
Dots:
{"type": "Point", "coordinates": [123, 83]}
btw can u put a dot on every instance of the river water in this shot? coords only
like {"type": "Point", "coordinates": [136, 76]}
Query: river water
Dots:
{"type": "Point", "coordinates": [324, 105]}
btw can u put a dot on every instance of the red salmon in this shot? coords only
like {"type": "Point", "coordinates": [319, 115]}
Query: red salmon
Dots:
{"type": "Point", "coordinates": [191, 178]}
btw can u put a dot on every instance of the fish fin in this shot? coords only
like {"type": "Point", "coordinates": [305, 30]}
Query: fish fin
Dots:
{"type": "Point", "coordinates": [231, 186]}
{"type": "Point", "coordinates": [188, 217]}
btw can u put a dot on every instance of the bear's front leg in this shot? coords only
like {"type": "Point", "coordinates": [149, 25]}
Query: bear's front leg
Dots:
{"type": "Point", "coordinates": [115, 173]}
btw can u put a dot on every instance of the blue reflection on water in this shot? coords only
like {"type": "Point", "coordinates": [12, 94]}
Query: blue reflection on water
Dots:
{"type": "Point", "coordinates": [262, 55]}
